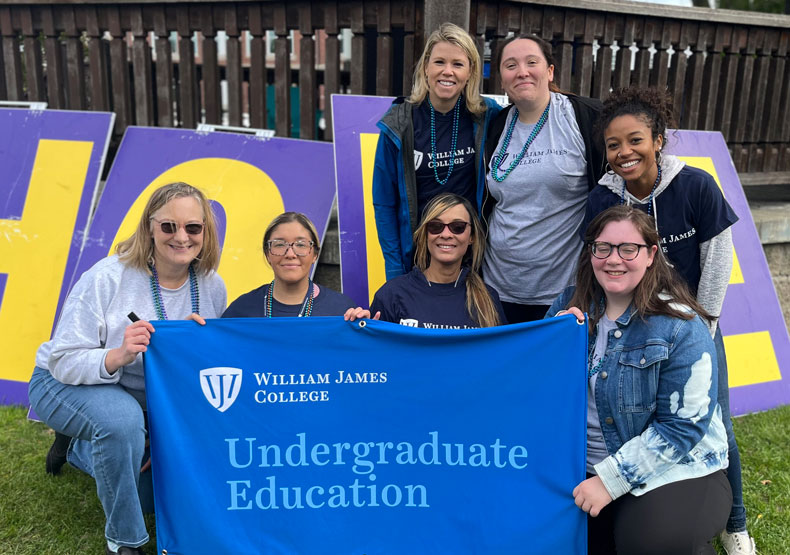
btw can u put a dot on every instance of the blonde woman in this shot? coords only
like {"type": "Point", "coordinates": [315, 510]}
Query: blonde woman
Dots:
{"type": "Point", "coordinates": [444, 289]}
{"type": "Point", "coordinates": [88, 384]}
{"type": "Point", "coordinates": [431, 142]}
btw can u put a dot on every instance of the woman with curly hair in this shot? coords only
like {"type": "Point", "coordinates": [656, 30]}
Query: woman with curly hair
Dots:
{"type": "Point", "coordinates": [431, 142]}
{"type": "Point", "coordinates": [694, 222]}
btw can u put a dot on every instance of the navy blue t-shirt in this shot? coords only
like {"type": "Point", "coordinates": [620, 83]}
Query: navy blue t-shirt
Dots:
{"type": "Point", "coordinates": [253, 304]}
{"type": "Point", "coordinates": [691, 210]}
{"type": "Point", "coordinates": [410, 300]}
{"type": "Point", "coordinates": [462, 181]}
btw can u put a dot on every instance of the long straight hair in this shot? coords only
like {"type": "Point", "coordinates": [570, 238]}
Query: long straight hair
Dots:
{"type": "Point", "coordinates": [660, 292]}
{"type": "Point", "coordinates": [479, 303]}
{"type": "Point", "coordinates": [138, 250]}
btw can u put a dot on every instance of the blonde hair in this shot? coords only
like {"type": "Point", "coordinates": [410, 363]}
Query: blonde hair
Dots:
{"type": "Point", "coordinates": [287, 217]}
{"type": "Point", "coordinates": [453, 34]}
{"type": "Point", "coordinates": [479, 303]}
{"type": "Point", "coordinates": [138, 250]}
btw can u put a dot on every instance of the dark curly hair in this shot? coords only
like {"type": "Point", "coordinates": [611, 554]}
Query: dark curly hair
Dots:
{"type": "Point", "coordinates": [653, 106]}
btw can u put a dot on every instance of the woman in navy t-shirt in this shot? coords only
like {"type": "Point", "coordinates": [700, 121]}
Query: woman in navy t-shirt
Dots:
{"type": "Point", "coordinates": [444, 289]}
{"type": "Point", "coordinates": [291, 247]}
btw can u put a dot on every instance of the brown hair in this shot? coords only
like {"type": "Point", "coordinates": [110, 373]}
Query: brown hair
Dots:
{"type": "Point", "coordinates": [479, 303]}
{"type": "Point", "coordinates": [453, 34]}
{"type": "Point", "coordinates": [138, 250]}
{"type": "Point", "coordinates": [287, 217]}
{"type": "Point", "coordinates": [545, 48]}
{"type": "Point", "coordinates": [660, 292]}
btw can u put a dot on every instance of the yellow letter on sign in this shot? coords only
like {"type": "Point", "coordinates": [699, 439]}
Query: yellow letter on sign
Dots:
{"type": "Point", "coordinates": [34, 250]}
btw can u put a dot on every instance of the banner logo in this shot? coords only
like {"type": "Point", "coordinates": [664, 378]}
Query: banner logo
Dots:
{"type": "Point", "coordinates": [411, 322]}
{"type": "Point", "coordinates": [417, 159]}
{"type": "Point", "coordinates": [221, 386]}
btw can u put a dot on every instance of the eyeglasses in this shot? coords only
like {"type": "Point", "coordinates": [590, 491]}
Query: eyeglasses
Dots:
{"type": "Point", "coordinates": [626, 251]}
{"type": "Point", "coordinates": [169, 227]}
{"type": "Point", "coordinates": [435, 227]}
{"type": "Point", "coordinates": [300, 248]}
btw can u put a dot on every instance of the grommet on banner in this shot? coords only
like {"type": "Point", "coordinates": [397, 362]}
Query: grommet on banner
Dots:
{"type": "Point", "coordinates": [580, 322]}
{"type": "Point", "coordinates": [362, 323]}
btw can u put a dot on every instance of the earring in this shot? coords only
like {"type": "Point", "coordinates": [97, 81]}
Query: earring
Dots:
{"type": "Point", "coordinates": [608, 168]}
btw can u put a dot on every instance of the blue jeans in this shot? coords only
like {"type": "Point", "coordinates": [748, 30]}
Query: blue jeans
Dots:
{"type": "Point", "coordinates": [108, 429]}
{"type": "Point", "coordinates": [737, 520]}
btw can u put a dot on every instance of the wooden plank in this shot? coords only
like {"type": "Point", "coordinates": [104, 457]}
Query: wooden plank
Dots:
{"type": "Point", "coordinates": [584, 70]}
{"type": "Point", "coordinates": [564, 50]}
{"type": "Point", "coordinates": [659, 76]}
{"type": "Point", "coordinates": [56, 86]}
{"type": "Point", "coordinates": [99, 88]}
{"type": "Point", "coordinates": [189, 103]}
{"type": "Point", "coordinates": [358, 50]}
{"type": "Point", "coordinates": [141, 69]}
{"type": "Point", "coordinates": [695, 75]}
{"type": "Point", "coordinates": [742, 103]}
{"type": "Point", "coordinates": [647, 32]}
{"type": "Point", "coordinates": [757, 126]}
{"type": "Point", "coordinates": [233, 71]}
{"type": "Point", "coordinates": [308, 97]}
{"type": "Point", "coordinates": [119, 69]}
{"type": "Point", "coordinates": [12, 62]}
{"type": "Point", "coordinates": [165, 84]}
{"type": "Point", "coordinates": [677, 72]}
{"type": "Point", "coordinates": [34, 75]}
{"type": "Point", "coordinates": [257, 90]}
{"type": "Point", "coordinates": [384, 49]}
{"type": "Point", "coordinates": [603, 64]}
{"type": "Point", "coordinates": [622, 71]}
{"type": "Point", "coordinates": [783, 130]}
{"type": "Point", "coordinates": [75, 68]}
{"type": "Point", "coordinates": [282, 73]}
{"type": "Point", "coordinates": [778, 71]}
{"type": "Point", "coordinates": [212, 98]}
{"type": "Point", "coordinates": [410, 53]}
{"type": "Point", "coordinates": [727, 89]}
{"type": "Point", "coordinates": [713, 77]}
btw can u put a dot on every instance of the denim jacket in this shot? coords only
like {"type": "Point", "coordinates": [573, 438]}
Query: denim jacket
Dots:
{"type": "Point", "coordinates": [656, 401]}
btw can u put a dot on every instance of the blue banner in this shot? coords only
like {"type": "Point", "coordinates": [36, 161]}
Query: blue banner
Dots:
{"type": "Point", "coordinates": [316, 435]}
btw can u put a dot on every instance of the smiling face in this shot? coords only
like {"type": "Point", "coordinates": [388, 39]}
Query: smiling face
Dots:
{"type": "Point", "coordinates": [447, 72]}
{"type": "Point", "coordinates": [174, 252]}
{"type": "Point", "coordinates": [447, 248]}
{"type": "Point", "coordinates": [631, 150]}
{"type": "Point", "coordinates": [290, 268]}
{"type": "Point", "coordinates": [617, 277]}
{"type": "Point", "coordinates": [525, 73]}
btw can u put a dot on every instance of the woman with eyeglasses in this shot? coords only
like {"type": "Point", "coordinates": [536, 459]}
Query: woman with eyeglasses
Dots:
{"type": "Point", "coordinates": [444, 289]}
{"type": "Point", "coordinates": [656, 444]}
{"type": "Point", "coordinates": [291, 247]}
{"type": "Point", "coordinates": [695, 223]}
{"type": "Point", "coordinates": [88, 383]}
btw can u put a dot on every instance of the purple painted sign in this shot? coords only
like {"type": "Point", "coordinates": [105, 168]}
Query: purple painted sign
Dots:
{"type": "Point", "coordinates": [755, 334]}
{"type": "Point", "coordinates": [250, 180]}
{"type": "Point", "coordinates": [51, 164]}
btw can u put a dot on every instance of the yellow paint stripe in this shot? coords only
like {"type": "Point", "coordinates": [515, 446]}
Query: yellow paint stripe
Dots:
{"type": "Point", "coordinates": [376, 273]}
{"type": "Point", "coordinates": [751, 359]}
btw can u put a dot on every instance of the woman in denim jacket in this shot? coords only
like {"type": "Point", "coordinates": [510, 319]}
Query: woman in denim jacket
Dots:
{"type": "Point", "coordinates": [656, 445]}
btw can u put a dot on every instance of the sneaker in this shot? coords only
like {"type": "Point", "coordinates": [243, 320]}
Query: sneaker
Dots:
{"type": "Point", "coordinates": [738, 543]}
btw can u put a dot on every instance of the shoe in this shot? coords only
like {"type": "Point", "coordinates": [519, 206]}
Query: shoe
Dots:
{"type": "Point", "coordinates": [124, 550]}
{"type": "Point", "coordinates": [56, 457]}
{"type": "Point", "coordinates": [738, 543]}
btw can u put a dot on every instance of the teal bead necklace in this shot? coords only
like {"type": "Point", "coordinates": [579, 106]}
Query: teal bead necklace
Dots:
{"type": "Point", "coordinates": [506, 143]}
{"type": "Point", "coordinates": [307, 305]}
{"type": "Point", "coordinates": [156, 292]}
{"type": "Point", "coordinates": [593, 370]}
{"type": "Point", "coordinates": [453, 142]}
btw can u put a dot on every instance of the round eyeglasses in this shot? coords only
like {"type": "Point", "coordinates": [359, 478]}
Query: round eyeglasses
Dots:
{"type": "Point", "coordinates": [626, 251]}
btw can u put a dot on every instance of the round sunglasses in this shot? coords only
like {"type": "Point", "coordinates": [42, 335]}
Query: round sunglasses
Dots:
{"type": "Point", "coordinates": [169, 227]}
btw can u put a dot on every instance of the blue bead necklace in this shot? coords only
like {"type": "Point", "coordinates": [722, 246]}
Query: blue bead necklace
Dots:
{"type": "Point", "coordinates": [453, 142]}
{"type": "Point", "coordinates": [506, 143]}
{"type": "Point", "coordinates": [156, 292]}
{"type": "Point", "coordinates": [652, 191]}
{"type": "Point", "coordinates": [307, 305]}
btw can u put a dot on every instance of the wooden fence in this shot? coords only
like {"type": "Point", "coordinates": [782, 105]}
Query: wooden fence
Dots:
{"type": "Point", "coordinates": [176, 64]}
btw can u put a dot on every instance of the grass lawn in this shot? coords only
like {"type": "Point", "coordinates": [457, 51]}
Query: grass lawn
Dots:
{"type": "Point", "coordinates": [42, 515]}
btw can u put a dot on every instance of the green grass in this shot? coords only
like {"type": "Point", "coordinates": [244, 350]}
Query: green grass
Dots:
{"type": "Point", "coordinates": [41, 514]}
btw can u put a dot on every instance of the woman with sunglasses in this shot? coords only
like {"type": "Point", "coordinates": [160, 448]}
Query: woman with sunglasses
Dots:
{"type": "Point", "coordinates": [656, 444]}
{"type": "Point", "coordinates": [88, 382]}
{"type": "Point", "coordinates": [291, 247]}
{"type": "Point", "coordinates": [695, 223]}
{"type": "Point", "coordinates": [431, 142]}
{"type": "Point", "coordinates": [444, 289]}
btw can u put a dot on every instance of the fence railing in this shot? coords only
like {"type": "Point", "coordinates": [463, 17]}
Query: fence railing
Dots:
{"type": "Point", "coordinates": [253, 62]}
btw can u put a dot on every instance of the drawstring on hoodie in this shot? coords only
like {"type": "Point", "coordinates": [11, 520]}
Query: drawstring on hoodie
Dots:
{"type": "Point", "coordinates": [650, 201]}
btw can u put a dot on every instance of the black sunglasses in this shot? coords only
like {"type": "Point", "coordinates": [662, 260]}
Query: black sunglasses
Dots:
{"type": "Point", "coordinates": [169, 228]}
{"type": "Point", "coordinates": [435, 227]}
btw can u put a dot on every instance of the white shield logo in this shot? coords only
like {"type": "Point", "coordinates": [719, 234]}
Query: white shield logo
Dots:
{"type": "Point", "coordinates": [411, 322]}
{"type": "Point", "coordinates": [221, 386]}
{"type": "Point", "coordinates": [417, 159]}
